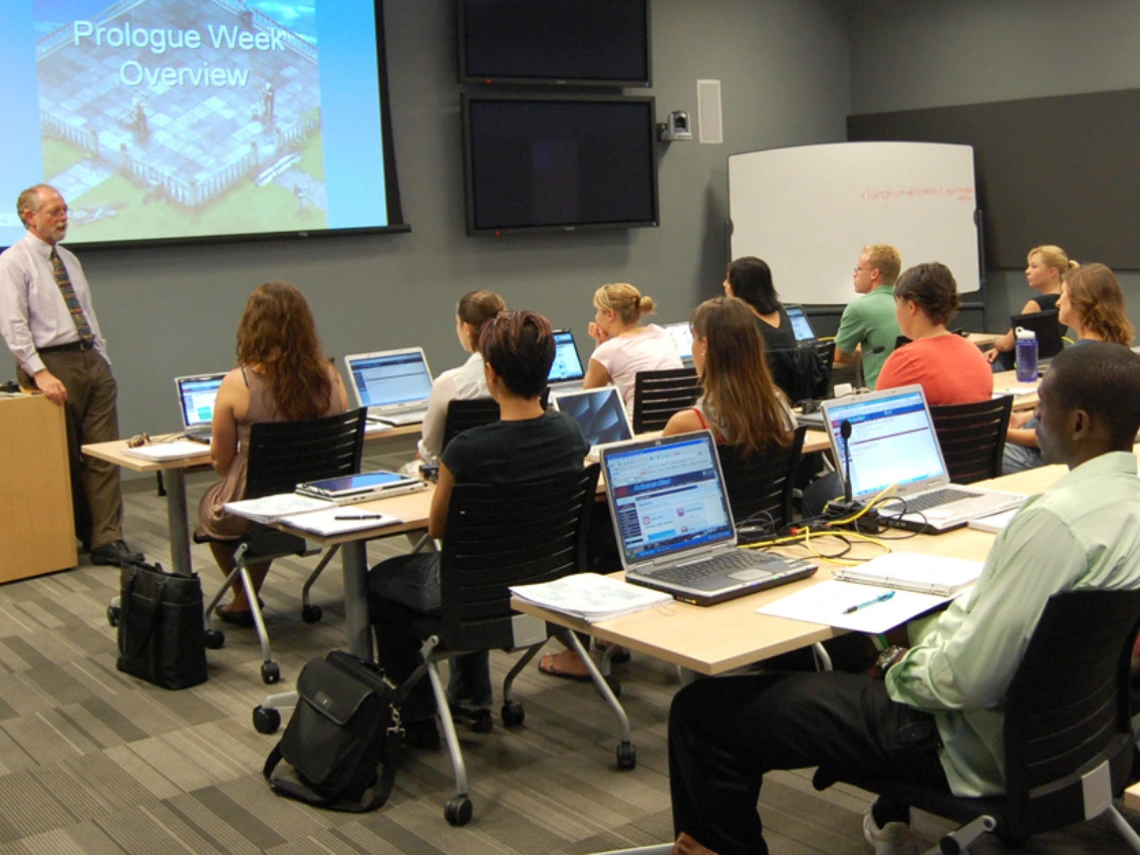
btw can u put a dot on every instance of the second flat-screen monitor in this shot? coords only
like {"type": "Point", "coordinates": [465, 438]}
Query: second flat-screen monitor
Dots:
{"type": "Point", "coordinates": [575, 42]}
{"type": "Point", "coordinates": [559, 163]}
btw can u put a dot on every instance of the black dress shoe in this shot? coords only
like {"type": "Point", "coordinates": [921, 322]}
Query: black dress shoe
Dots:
{"type": "Point", "coordinates": [115, 552]}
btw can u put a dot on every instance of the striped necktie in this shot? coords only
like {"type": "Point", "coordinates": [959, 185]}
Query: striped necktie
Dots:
{"type": "Point", "coordinates": [68, 292]}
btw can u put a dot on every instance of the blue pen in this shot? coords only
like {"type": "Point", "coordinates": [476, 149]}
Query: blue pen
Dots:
{"type": "Point", "coordinates": [881, 599]}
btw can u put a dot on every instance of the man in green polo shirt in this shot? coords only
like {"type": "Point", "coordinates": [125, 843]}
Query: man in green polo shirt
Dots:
{"type": "Point", "coordinates": [869, 323]}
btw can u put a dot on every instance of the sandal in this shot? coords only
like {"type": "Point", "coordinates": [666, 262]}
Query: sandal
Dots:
{"type": "Point", "coordinates": [547, 666]}
{"type": "Point", "coordinates": [620, 656]}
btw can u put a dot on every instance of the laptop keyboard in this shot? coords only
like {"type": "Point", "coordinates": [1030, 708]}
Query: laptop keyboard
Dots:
{"type": "Point", "coordinates": [938, 497]}
{"type": "Point", "coordinates": [726, 562]}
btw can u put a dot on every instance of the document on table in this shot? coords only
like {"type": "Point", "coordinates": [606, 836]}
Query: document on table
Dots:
{"type": "Point", "coordinates": [338, 520]}
{"type": "Point", "coordinates": [828, 602]}
{"type": "Point", "coordinates": [177, 450]}
{"type": "Point", "coordinates": [271, 508]}
{"type": "Point", "coordinates": [915, 571]}
{"type": "Point", "coordinates": [591, 596]}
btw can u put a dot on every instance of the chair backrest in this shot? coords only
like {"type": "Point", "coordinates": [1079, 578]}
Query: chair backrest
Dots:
{"type": "Point", "coordinates": [760, 486]}
{"type": "Point", "coordinates": [464, 415]}
{"type": "Point", "coordinates": [972, 437]}
{"type": "Point", "coordinates": [283, 454]}
{"type": "Point", "coordinates": [1047, 326]}
{"type": "Point", "coordinates": [803, 372]}
{"type": "Point", "coordinates": [1067, 710]}
{"type": "Point", "coordinates": [503, 535]}
{"type": "Point", "coordinates": [657, 395]}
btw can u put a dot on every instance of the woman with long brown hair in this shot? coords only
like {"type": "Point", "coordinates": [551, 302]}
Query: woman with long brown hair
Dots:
{"type": "Point", "coordinates": [741, 404]}
{"type": "Point", "coordinates": [282, 374]}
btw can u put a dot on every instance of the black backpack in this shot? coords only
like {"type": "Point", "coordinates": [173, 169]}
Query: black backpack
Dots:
{"type": "Point", "coordinates": [345, 726]}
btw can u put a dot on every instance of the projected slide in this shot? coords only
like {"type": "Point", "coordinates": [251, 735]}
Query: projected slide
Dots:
{"type": "Point", "coordinates": [183, 118]}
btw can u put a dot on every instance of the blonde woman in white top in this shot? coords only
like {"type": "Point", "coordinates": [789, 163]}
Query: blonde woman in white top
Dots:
{"type": "Point", "coordinates": [465, 382]}
{"type": "Point", "coordinates": [625, 347]}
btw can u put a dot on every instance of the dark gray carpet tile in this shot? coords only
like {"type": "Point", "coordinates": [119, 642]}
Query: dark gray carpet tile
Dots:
{"type": "Point", "coordinates": [102, 723]}
{"type": "Point", "coordinates": [59, 683]}
{"type": "Point", "coordinates": [13, 757]}
{"type": "Point", "coordinates": [152, 829]}
{"type": "Point", "coordinates": [364, 839]}
{"type": "Point", "coordinates": [235, 828]}
{"type": "Point", "coordinates": [21, 652]}
{"type": "Point", "coordinates": [289, 819]}
{"type": "Point", "coordinates": [6, 711]}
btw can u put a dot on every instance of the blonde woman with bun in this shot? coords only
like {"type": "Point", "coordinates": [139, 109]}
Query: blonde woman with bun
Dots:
{"type": "Point", "coordinates": [624, 345]}
{"type": "Point", "coordinates": [1045, 267]}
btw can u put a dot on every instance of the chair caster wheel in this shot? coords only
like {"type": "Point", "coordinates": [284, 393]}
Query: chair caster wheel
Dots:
{"type": "Point", "coordinates": [266, 720]}
{"type": "Point", "coordinates": [270, 673]}
{"type": "Point", "coordinates": [626, 756]}
{"type": "Point", "coordinates": [215, 639]}
{"type": "Point", "coordinates": [114, 613]}
{"type": "Point", "coordinates": [513, 714]}
{"type": "Point", "coordinates": [458, 811]}
{"type": "Point", "coordinates": [311, 613]}
{"type": "Point", "coordinates": [615, 686]}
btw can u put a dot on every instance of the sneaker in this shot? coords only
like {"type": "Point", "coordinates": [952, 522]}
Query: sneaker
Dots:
{"type": "Point", "coordinates": [894, 838]}
{"type": "Point", "coordinates": [116, 552]}
{"type": "Point", "coordinates": [477, 718]}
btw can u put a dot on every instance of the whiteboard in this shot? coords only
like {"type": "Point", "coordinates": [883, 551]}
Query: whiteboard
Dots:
{"type": "Point", "coordinates": [809, 210]}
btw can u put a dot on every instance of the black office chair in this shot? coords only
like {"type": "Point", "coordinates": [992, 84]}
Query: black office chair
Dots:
{"type": "Point", "coordinates": [281, 456]}
{"type": "Point", "coordinates": [803, 372]}
{"type": "Point", "coordinates": [464, 415]}
{"type": "Point", "coordinates": [1068, 733]}
{"type": "Point", "coordinates": [972, 437]}
{"type": "Point", "coordinates": [496, 537]}
{"type": "Point", "coordinates": [657, 395]}
{"type": "Point", "coordinates": [760, 486]}
{"type": "Point", "coordinates": [1046, 326]}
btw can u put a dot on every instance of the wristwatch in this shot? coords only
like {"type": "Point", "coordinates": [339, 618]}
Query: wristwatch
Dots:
{"type": "Point", "coordinates": [889, 657]}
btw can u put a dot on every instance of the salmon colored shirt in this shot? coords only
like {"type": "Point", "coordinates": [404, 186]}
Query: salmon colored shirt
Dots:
{"type": "Point", "coordinates": [949, 369]}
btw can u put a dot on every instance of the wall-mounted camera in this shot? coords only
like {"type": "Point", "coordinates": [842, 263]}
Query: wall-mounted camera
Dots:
{"type": "Point", "coordinates": [677, 129]}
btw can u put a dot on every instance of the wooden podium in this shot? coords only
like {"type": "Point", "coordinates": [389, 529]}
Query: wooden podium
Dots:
{"type": "Point", "coordinates": [37, 528]}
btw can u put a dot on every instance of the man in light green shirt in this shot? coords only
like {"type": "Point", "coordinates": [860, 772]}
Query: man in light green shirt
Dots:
{"type": "Point", "coordinates": [869, 328]}
{"type": "Point", "coordinates": [937, 717]}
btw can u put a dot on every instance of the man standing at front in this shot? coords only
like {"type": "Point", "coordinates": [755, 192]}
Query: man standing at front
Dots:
{"type": "Point", "coordinates": [49, 324]}
{"type": "Point", "coordinates": [868, 325]}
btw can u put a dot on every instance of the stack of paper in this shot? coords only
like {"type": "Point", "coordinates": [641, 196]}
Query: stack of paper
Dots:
{"type": "Point", "coordinates": [337, 520]}
{"type": "Point", "coordinates": [913, 571]}
{"type": "Point", "coordinates": [851, 606]}
{"type": "Point", "coordinates": [271, 508]}
{"type": "Point", "coordinates": [178, 450]}
{"type": "Point", "coordinates": [591, 597]}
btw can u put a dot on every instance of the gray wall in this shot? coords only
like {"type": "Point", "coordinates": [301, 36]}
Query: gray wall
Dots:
{"type": "Point", "coordinates": [937, 53]}
{"type": "Point", "coordinates": [784, 71]}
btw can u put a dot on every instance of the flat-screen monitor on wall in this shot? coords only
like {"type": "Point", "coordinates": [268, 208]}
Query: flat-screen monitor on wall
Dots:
{"type": "Point", "coordinates": [169, 120]}
{"type": "Point", "coordinates": [573, 42]}
{"type": "Point", "coordinates": [548, 163]}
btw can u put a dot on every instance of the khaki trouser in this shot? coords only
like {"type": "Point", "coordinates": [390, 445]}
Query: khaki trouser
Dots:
{"type": "Point", "coordinates": [91, 417]}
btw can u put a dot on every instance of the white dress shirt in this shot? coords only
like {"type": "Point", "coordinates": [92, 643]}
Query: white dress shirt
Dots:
{"type": "Point", "coordinates": [458, 384]}
{"type": "Point", "coordinates": [33, 313]}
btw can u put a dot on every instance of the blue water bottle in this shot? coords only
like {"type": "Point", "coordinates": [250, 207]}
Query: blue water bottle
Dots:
{"type": "Point", "coordinates": [1026, 355]}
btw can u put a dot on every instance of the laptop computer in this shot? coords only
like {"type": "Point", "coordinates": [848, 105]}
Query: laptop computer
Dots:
{"type": "Point", "coordinates": [196, 397]}
{"type": "Point", "coordinates": [393, 384]}
{"type": "Point", "coordinates": [674, 524]}
{"type": "Point", "coordinates": [801, 326]}
{"type": "Point", "coordinates": [599, 413]}
{"type": "Point", "coordinates": [566, 371]}
{"type": "Point", "coordinates": [893, 443]}
{"type": "Point", "coordinates": [682, 335]}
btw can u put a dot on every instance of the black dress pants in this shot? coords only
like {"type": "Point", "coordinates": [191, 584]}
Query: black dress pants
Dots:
{"type": "Point", "coordinates": [725, 733]}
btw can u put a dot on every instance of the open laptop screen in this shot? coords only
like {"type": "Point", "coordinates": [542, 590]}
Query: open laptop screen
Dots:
{"type": "Point", "coordinates": [801, 326]}
{"type": "Point", "coordinates": [892, 440]}
{"type": "Point", "coordinates": [384, 379]}
{"type": "Point", "coordinates": [197, 396]}
{"type": "Point", "coordinates": [567, 365]}
{"type": "Point", "coordinates": [682, 335]}
{"type": "Point", "coordinates": [599, 413]}
{"type": "Point", "coordinates": [667, 496]}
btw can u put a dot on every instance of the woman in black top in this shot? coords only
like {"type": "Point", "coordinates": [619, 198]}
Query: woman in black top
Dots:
{"type": "Point", "coordinates": [1045, 267]}
{"type": "Point", "coordinates": [750, 279]}
{"type": "Point", "coordinates": [526, 444]}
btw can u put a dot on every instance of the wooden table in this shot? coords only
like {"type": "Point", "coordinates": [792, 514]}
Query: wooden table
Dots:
{"type": "Point", "coordinates": [1004, 381]}
{"type": "Point", "coordinates": [174, 475]}
{"type": "Point", "coordinates": [37, 526]}
{"type": "Point", "coordinates": [982, 340]}
{"type": "Point", "coordinates": [715, 639]}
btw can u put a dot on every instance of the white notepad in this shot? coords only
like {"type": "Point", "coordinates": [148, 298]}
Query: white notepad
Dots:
{"type": "Point", "coordinates": [272, 508]}
{"type": "Point", "coordinates": [591, 596]}
{"type": "Point", "coordinates": [325, 522]}
{"type": "Point", "coordinates": [163, 451]}
{"type": "Point", "coordinates": [827, 602]}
